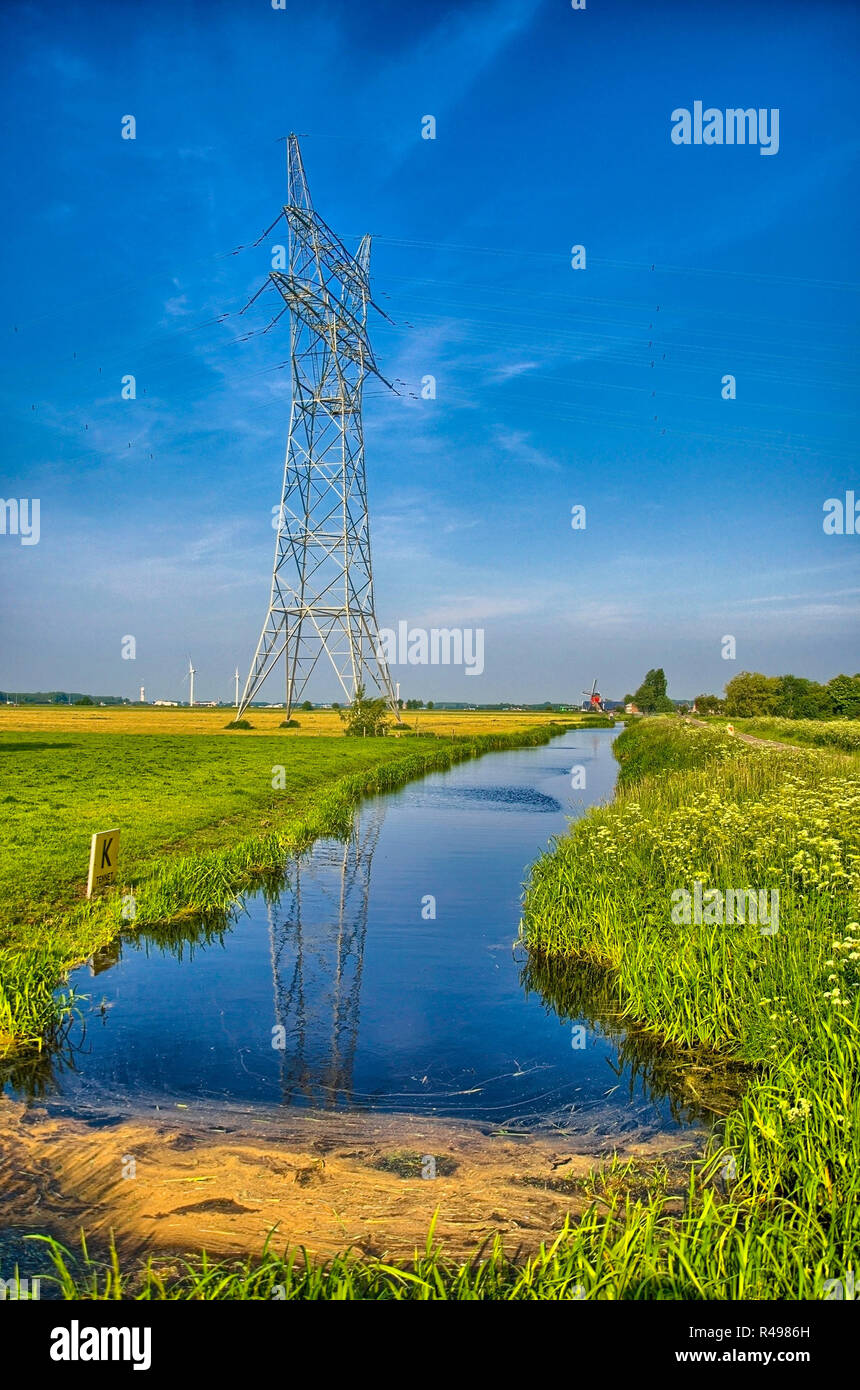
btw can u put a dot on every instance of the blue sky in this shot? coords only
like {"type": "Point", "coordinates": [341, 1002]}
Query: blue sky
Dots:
{"type": "Point", "coordinates": [704, 516]}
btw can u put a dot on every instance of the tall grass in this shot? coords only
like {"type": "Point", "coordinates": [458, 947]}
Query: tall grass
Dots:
{"type": "Point", "coordinates": [29, 1008]}
{"type": "Point", "coordinates": [787, 1005]}
{"type": "Point", "coordinates": [668, 745]}
{"type": "Point", "coordinates": [843, 734]}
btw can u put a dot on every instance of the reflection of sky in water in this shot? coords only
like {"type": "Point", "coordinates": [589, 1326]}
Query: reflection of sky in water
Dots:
{"type": "Point", "coordinates": [380, 1003]}
{"type": "Point", "coordinates": [517, 798]}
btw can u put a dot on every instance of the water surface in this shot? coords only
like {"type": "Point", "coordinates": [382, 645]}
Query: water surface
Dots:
{"type": "Point", "coordinates": [382, 974]}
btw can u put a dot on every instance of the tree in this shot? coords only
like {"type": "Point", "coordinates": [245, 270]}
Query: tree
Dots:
{"type": "Point", "coordinates": [306, 705]}
{"type": "Point", "coordinates": [708, 704]}
{"type": "Point", "coordinates": [84, 700]}
{"type": "Point", "coordinates": [430, 704]}
{"type": "Point", "coordinates": [364, 718]}
{"type": "Point", "coordinates": [845, 696]}
{"type": "Point", "coordinates": [750, 693]}
{"type": "Point", "coordinates": [414, 704]}
{"type": "Point", "coordinates": [651, 695]}
{"type": "Point", "coordinates": [798, 698]}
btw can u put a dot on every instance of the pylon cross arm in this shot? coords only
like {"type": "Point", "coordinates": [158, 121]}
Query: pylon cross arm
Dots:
{"type": "Point", "coordinates": [307, 225]}
{"type": "Point", "coordinates": [330, 321]}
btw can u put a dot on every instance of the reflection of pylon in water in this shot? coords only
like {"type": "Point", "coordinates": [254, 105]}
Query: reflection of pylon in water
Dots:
{"type": "Point", "coordinates": [316, 932]}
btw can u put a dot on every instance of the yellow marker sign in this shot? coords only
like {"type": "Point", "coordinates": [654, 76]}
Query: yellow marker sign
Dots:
{"type": "Point", "coordinates": [104, 858]}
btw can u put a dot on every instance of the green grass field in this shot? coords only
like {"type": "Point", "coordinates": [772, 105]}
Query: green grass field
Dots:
{"type": "Point", "coordinates": [169, 794]}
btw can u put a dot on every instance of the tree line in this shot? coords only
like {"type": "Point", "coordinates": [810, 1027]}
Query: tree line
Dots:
{"type": "Point", "coordinates": [751, 694]}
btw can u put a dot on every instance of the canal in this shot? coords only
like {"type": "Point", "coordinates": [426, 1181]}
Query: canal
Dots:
{"type": "Point", "coordinates": [382, 973]}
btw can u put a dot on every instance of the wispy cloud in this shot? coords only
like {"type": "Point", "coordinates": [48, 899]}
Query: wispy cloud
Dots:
{"type": "Point", "coordinates": [447, 62]}
{"type": "Point", "coordinates": [799, 598]}
{"type": "Point", "coordinates": [513, 369]}
{"type": "Point", "coordinates": [517, 447]}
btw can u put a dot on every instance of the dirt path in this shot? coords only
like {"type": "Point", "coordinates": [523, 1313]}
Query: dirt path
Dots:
{"type": "Point", "coordinates": [745, 738]}
{"type": "Point", "coordinates": [324, 1180]}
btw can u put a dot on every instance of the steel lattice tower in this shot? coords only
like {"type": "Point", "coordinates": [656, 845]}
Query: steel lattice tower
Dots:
{"type": "Point", "coordinates": [322, 582]}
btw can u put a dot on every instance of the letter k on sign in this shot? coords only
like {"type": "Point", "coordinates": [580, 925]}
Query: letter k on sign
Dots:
{"type": "Point", "coordinates": [104, 858]}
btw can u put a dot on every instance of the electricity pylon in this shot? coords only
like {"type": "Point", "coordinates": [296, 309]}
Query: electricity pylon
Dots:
{"type": "Point", "coordinates": [322, 583]}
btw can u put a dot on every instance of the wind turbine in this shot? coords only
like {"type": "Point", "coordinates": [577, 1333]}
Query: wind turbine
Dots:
{"type": "Point", "coordinates": [189, 676]}
{"type": "Point", "coordinates": [237, 686]}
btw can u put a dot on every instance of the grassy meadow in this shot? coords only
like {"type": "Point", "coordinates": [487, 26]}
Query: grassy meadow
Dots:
{"type": "Point", "coordinates": [198, 813]}
{"type": "Point", "coordinates": [147, 719]}
{"type": "Point", "coordinates": [773, 1210]}
{"type": "Point", "coordinates": [169, 794]}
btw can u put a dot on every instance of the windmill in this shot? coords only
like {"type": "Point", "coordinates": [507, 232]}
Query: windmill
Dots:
{"type": "Point", "coordinates": [595, 699]}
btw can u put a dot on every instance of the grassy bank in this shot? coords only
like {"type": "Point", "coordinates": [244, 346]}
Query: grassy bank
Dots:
{"type": "Point", "coordinates": [775, 1212]}
{"type": "Point", "coordinates": [200, 822]}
